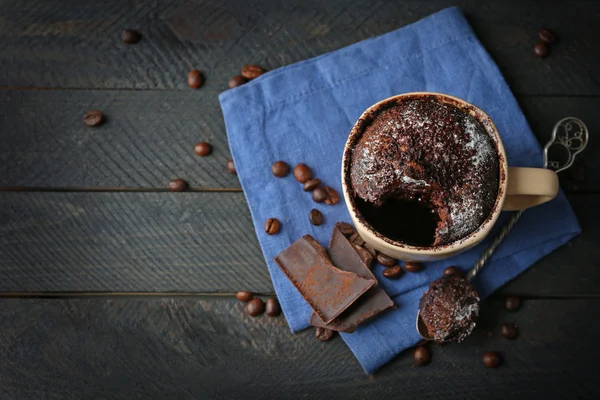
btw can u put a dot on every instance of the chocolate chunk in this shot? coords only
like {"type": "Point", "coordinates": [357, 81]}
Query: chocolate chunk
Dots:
{"type": "Point", "coordinates": [327, 289]}
{"type": "Point", "coordinates": [370, 304]}
{"type": "Point", "coordinates": [345, 256]}
{"type": "Point", "coordinates": [356, 239]}
{"type": "Point", "coordinates": [370, 249]}
{"type": "Point", "coordinates": [364, 255]}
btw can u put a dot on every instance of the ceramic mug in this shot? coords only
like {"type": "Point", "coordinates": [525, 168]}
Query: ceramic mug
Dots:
{"type": "Point", "coordinates": [519, 188]}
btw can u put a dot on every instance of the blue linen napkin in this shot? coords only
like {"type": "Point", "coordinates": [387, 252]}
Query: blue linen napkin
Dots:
{"type": "Point", "coordinates": [304, 112]}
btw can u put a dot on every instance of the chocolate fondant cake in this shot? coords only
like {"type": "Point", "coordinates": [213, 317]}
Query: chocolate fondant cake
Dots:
{"type": "Point", "coordinates": [425, 154]}
{"type": "Point", "coordinates": [449, 308]}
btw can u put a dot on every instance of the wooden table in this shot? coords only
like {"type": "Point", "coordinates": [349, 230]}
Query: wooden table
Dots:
{"type": "Point", "coordinates": [113, 287]}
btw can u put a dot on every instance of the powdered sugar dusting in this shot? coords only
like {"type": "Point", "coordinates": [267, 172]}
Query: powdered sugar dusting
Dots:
{"type": "Point", "coordinates": [434, 151]}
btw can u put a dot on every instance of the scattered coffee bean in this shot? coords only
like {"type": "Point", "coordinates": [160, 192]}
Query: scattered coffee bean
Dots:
{"type": "Point", "coordinates": [386, 261]}
{"type": "Point", "coordinates": [311, 184]}
{"type": "Point", "coordinates": [541, 49]}
{"type": "Point", "coordinates": [509, 331]}
{"type": "Point", "coordinates": [272, 226]}
{"type": "Point", "coordinates": [93, 118]}
{"type": "Point", "coordinates": [244, 296]}
{"type": "Point", "coordinates": [302, 173]}
{"type": "Point", "coordinates": [356, 239]}
{"type": "Point", "coordinates": [332, 196]}
{"type": "Point", "coordinates": [371, 250]}
{"type": "Point", "coordinates": [203, 149]}
{"type": "Point", "coordinates": [280, 169]}
{"type": "Point", "coordinates": [453, 271]}
{"type": "Point", "coordinates": [195, 79]}
{"type": "Point", "coordinates": [323, 334]}
{"type": "Point", "coordinates": [412, 266]}
{"type": "Point", "coordinates": [255, 307]}
{"type": "Point", "coordinates": [231, 167]}
{"type": "Point", "coordinates": [512, 303]}
{"type": "Point", "coordinates": [177, 185]}
{"type": "Point", "coordinates": [491, 359]}
{"type": "Point", "coordinates": [547, 36]}
{"type": "Point", "coordinates": [252, 71]}
{"type": "Point", "coordinates": [236, 81]}
{"type": "Point", "coordinates": [345, 228]}
{"type": "Point", "coordinates": [319, 195]}
{"type": "Point", "coordinates": [316, 217]}
{"type": "Point", "coordinates": [273, 308]}
{"type": "Point", "coordinates": [421, 356]}
{"type": "Point", "coordinates": [393, 272]}
{"type": "Point", "coordinates": [129, 36]}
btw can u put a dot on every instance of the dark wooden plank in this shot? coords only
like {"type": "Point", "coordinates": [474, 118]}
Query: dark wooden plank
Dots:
{"type": "Point", "coordinates": [50, 44]}
{"type": "Point", "coordinates": [147, 140]}
{"type": "Point", "coordinates": [129, 242]}
{"type": "Point", "coordinates": [149, 137]}
{"type": "Point", "coordinates": [193, 242]}
{"type": "Point", "coordinates": [201, 349]}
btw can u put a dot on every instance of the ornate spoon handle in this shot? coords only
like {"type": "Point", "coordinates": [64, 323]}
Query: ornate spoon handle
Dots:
{"type": "Point", "coordinates": [571, 135]}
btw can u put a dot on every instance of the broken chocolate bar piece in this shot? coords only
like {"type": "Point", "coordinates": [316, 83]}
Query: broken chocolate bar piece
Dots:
{"type": "Point", "coordinates": [369, 305]}
{"type": "Point", "coordinates": [347, 257]}
{"type": "Point", "coordinates": [327, 289]}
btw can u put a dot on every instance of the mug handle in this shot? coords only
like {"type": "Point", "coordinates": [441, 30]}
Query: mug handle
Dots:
{"type": "Point", "coordinates": [528, 187]}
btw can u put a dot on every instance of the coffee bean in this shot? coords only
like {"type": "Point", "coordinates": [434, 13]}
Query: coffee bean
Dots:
{"type": "Point", "coordinates": [255, 307]}
{"type": "Point", "coordinates": [509, 331]}
{"type": "Point", "coordinates": [311, 184]}
{"type": "Point", "coordinates": [356, 239]}
{"type": "Point", "coordinates": [280, 169]}
{"type": "Point", "coordinates": [386, 261]}
{"type": "Point", "coordinates": [412, 266]}
{"type": "Point", "coordinates": [547, 35]}
{"type": "Point", "coordinates": [316, 217]}
{"type": "Point", "coordinates": [491, 359]}
{"type": "Point", "coordinates": [345, 228]}
{"type": "Point", "coordinates": [393, 272]}
{"type": "Point", "coordinates": [273, 308]}
{"type": "Point", "coordinates": [203, 149]}
{"type": "Point", "coordinates": [252, 71]}
{"type": "Point", "coordinates": [231, 167]}
{"type": "Point", "coordinates": [332, 196]}
{"type": "Point", "coordinates": [512, 303]}
{"type": "Point", "coordinates": [421, 356]}
{"type": "Point", "coordinates": [272, 226]}
{"type": "Point", "coordinates": [93, 118]}
{"type": "Point", "coordinates": [129, 36]}
{"type": "Point", "coordinates": [323, 334]}
{"type": "Point", "coordinates": [195, 79]}
{"type": "Point", "coordinates": [177, 185]}
{"type": "Point", "coordinates": [453, 271]}
{"type": "Point", "coordinates": [244, 296]}
{"type": "Point", "coordinates": [319, 195]}
{"type": "Point", "coordinates": [541, 49]}
{"type": "Point", "coordinates": [302, 173]}
{"type": "Point", "coordinates": [236, 81]}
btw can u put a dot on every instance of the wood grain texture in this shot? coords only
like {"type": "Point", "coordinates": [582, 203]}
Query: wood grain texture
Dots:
{"type": "Point", "coordinates": [129, 242]}
{"type": "Point", "coordinates": [149, 137]}
{"type": "Point", "coordinates": [77, 44]}
{"type": "Point", "coordinates": [193, 242]}
{"type": "Point", "coordinates": [209, 349]}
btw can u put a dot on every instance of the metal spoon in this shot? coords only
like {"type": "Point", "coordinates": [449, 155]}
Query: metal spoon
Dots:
{"type": "Point", "coordinates": [571, 136]}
